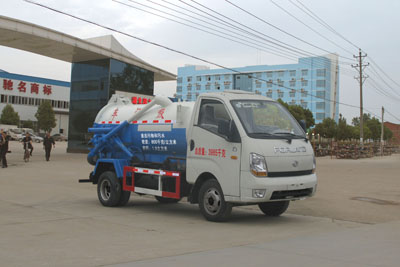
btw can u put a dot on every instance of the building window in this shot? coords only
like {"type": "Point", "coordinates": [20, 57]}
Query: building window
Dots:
{"type": "Point", "coordinates": [227, 76]}
{"type": "Point", "coordinates": [304, 72]}
{"type": "Point", "coordinates": [189, 79]}
{"type": "Point", "coordinates": [292, 83]}
{"type": "Point", "coordinates": [280, 83]}
{"type": "Point", "coordinates": [320, 105]}
{"type": "Point", "coordinates": [304, 104]}
{"type": "Point", "coordinates": [321, 94]}
{"type": "Point", "coordinates": [320, 116]}
{"type": "Point", "coordinates": [303, 93]}
{"type": "Point", "coordinates": [208, 78]}
{"type": "Point", "coordinates": [258, 84]}
{"type": "Point", "coordinates": [269, 74]}
{"type": "Point", "coordinates": [179, 80]}
{"type": "Point", "coordinates": [281, 73]}
{"type": "Point", "coordinates": [217, 86]}
{"type": "Point", "coordinates": [258, 92]}
{"type": "Point", "coordinates": [292, 73]}
{"type": "Point", "coordinates": [304, 83]}
{"type": "Point", "coordinates": [189, 87]}
{"type": "Point", "coordinates": [269, 93]}
{"type": "Point", "coordinates": [321, 83]}
{"type": "Point", "coordinates": [189, 96]}
{"type": "Point", "coordinates": [217, 77]}
{"type": "Point", "coordinates": [258, 74]}
{"type": "Point", "coordinates": [197, 95]}
{"type": "Point", "coordinates": [226, 86]}
{"type": "Point", "coordinates": [321, 72]}
{"type": "Point", "coordinates": [198, 78]}
{"type": "Point", "coordinates": [292, 93]}
{"type": "Point", "coordinates": [179, 96]}
{"type": "Point", "coordinates": [179, 88]}
{"type": "Point", "coordinates": [280, 94]}
{"type": "Point", "coordinates": [269, 84]}
{"type": "Point", "coordinates": [207, 86]}
{"type": "Point", "coordinates": [3, 99]}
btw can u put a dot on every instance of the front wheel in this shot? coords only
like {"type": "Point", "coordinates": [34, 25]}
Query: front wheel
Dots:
{"type": "Point", "coordinates": [274, 208]}
{"type": "Point", "coordinates": [212, 203]}
{"type": "Point", "coordinates": [109, 189]}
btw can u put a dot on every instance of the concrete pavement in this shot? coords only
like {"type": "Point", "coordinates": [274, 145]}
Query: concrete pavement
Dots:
{"type": "Point", "coordinates": [48, 219]}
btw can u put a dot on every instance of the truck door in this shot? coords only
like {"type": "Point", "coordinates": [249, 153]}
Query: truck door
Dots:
{"type": "Point", "coordinates": [211, 151]}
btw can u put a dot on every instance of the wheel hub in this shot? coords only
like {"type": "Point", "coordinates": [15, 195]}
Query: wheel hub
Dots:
{"type": "Point", "coordinates": [105, 189]}
{"type": "Point", "coordinates": [212, 201]}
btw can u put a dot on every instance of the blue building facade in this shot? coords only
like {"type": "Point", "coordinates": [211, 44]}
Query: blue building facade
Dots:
{"type": "Point", "coordinates": [312, 83]}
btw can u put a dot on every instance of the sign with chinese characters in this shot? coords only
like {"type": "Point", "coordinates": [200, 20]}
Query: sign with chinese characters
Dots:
{"type": "Point", "coordinates": [156, 142]}
{"type": "Point", "coordinates": [214, 152]}
{"type": "Point", "coordinates": [26, 87]}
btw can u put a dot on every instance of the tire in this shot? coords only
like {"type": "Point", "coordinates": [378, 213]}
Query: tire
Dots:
{"type": "Point", "coordinates": [166, 200]}
{"type": "Point", "coordinates": [212, 202]}
{"type": "Point", "coordinates": [273, 208]}
{"type": "Point", "coordinates": [26, 156]}
{"type": "Point", "coordinates": [109, 189]}
{"type": "Point", "coordinates": [124, 199]}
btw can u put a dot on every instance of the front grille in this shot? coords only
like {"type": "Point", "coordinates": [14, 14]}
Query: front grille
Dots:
{"type": "Point", "coordinates": [286, 174]}
{"type": "Point", "coordinates": [291, 194]}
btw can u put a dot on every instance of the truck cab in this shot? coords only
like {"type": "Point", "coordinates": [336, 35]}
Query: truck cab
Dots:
{"type": "Point", "coordinates": [252, 147]}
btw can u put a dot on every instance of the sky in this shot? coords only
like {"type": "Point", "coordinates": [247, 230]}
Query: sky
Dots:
{"type": "Point", "coordinates": [368, 24]}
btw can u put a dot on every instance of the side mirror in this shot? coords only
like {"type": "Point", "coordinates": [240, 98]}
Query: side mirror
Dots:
{"type": "Point", "coordinates": [303, 125]}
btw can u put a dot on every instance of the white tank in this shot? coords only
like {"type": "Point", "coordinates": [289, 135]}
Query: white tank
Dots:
{"type": "Point", "coordinates": [120, 108]}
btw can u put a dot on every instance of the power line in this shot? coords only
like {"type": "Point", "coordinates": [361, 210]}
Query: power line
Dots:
{"type": "Point", "coordinates": [373, 61]}
{"type": "Point", "coordinates": [286, 53]}
{"type": "Point", "coordinates": [392, 115]}
{"type": "Point", "coordinates": [316, 32]}
{"type": "Point", "coordinates": [206, 31]}
{"type": "Point", "coordinates": [379, 76]}
{"type": "Point", "coordinates": [279, 29]}
{"type": "Point", "coordinates": [173, 50]}
{"type": "Point", "coordinates": [304, 52]}
{"type": "Point", "coordinates": [306, 10]}
{"type": "Point", "coordinates": [282, 54]}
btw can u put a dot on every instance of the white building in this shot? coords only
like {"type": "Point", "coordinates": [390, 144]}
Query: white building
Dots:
{"type": "Point", "coordinates": [26, 93]}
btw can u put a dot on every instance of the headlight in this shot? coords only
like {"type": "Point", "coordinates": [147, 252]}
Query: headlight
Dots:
{"type": "Point", "coordinates": [258, 166]}
{"type": "Point", "coordinates": [314, 165]}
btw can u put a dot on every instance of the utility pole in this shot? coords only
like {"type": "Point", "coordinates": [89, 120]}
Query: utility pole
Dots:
{"type": "Point", "coordinates": [361, 79]}
{"type": "Point", "coordinates": [383, 110]}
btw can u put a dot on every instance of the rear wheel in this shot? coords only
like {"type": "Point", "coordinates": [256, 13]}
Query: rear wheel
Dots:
{"type": "Point", "coordinates": [274, 208]}
{"type": "Point", "coordinates": [109, 189]}
{"type": "Point", "coordinates": [166, 200]}
{"type": "Point", "coordinates": [212, 202]}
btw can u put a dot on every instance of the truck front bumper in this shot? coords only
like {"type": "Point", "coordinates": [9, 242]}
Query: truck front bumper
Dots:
{"type": "Point", "coordinates": [276, 188]}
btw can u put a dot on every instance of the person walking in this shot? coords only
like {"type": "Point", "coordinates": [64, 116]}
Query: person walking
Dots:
{"type": "Point", "coordinates": [48, 141]}
{"type": "Point", "coordinates": [4, 138]}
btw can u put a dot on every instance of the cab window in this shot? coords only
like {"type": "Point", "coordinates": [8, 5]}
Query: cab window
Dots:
{"type": "Point", "coordinates": [212, 113]}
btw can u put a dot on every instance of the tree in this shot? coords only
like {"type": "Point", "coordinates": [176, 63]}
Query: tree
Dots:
{"type": "Point", "coordinates": [344, 131]}
{"type": "Point", "coordinates": [9, 116]}
{"type": "Point", "coordinates": [45, 116]}
{"type": "Point", "coordinates": [27, 124]}
{"type": "Point", "coordinates": [387, 133]}
{"type": "Point", "coordinates": [327, 128]}
{"type": "Point", "coordinates": [299, 113]}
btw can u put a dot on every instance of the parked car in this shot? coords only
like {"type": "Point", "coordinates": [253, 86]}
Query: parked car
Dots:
{"type": "Point", "coordinates": [59, 137]}
{"type": "Point", "coordinates": [34, 137]}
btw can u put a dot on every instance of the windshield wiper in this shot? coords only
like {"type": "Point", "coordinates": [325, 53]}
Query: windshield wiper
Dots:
{"type": "Point", "coordinates": [260, 134]}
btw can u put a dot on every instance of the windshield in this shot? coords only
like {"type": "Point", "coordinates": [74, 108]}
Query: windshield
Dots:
{"type": "Point", "coordinates": [266, 119]}
{"type": "Point", "coordinates": [17, 131]}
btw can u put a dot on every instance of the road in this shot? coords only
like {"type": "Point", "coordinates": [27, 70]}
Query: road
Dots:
{"type": "Point", "coordinates": [49, 219]}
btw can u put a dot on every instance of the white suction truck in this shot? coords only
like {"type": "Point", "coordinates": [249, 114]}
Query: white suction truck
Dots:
{"type": "Point", "coordinates": [226, 149]}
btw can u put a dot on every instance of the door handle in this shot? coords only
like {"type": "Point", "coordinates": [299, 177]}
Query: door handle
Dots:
{"type": "Point", "coordinates": [191, 145]}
